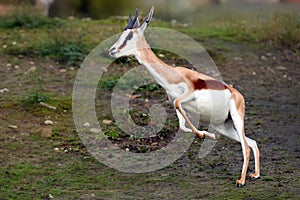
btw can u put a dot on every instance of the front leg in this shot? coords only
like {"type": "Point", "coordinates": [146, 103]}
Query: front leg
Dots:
{"type": "Point", "coordinates": [183, 118]}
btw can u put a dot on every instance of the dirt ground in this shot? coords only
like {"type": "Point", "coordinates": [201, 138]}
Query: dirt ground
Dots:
{"type": "Point", "coordinates": [268, 78]}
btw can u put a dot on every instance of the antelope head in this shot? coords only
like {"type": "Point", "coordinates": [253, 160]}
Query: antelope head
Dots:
{"type": "Point", "coordinates": [127, 44]}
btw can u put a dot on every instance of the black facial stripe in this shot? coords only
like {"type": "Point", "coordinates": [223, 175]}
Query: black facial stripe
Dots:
{"type": "Point", "coordinates": [128, 37]}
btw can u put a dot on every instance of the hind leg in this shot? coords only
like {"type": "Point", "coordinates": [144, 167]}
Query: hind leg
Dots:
{"type": "Point", "coordinates": [253, 146]}
{"type": "Point", "coordinates": [229, 131]}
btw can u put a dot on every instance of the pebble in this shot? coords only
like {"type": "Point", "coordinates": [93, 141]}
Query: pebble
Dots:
{"type": "Point", "coordinates": [264, 58]}
{"type": "Point", "coordinates": [62, 70]}
{"type": "Point", "coordinates": [46, 132]}
{"type": "Point", "coordinates": [107, 121]}
{"type": "Point", "coordinates": [86, 124]}
{"type": "Point", "coordinates": [13, 126]}
{"type": "Point", "coordinates": [96, 130]}
{"type": "Point", "coordinates": [31, 69]}
{"type": "Point", "coordinates": [48, 122]}
{"type": "Point", "coordinates": [4, 90]}
{"type": "Point", "coordinates": [281, 68]}
{"type": "Point", "coordinates": [238, 58]}
{"type": "Point", "coordinates": [47, 106]}
{"type": "Point", "coordinates": [56, 149]}
{"type": "Point", "coordinates": [25, 134]}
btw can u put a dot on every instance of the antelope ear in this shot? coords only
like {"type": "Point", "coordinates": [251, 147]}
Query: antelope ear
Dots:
{"type": "Point", "coordinates": [147, 19]}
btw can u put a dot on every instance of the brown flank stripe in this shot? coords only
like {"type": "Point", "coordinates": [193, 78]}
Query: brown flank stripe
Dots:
{"type": "Point", "coordinates": [200, 84]}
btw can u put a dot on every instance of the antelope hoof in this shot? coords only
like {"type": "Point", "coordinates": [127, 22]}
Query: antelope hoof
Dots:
{"type": "Point", "coordinates": [200, 134]}
{"type": "Point", "coordinates": [253, 177]}
{"type": "Point", "coordinates": [203, 134]}
{"type": "Point", "coordinates": [210, 135]}
{"type": "Point", "coordinates": [239, 184]}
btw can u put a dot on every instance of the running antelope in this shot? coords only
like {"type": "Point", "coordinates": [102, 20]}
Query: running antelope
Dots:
{"type": "Point", "coordinates": [191, 93]}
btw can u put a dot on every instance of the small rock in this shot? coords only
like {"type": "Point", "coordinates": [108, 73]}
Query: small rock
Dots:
{"type": "Point", "coordinates": [46, 132]}
{"type": "Point", "coordinates": [47, 106]}
{"type": "Point", "coordinates": [51, 197]}
{"type": "Point", "coordinates": [4, 90]}
{"type": "Point", "coordinates": [127, 149]}
{"type": "Point", "coordinates": [31, 62]}
{"type": "Point", "coordinates": [281, 68]}
{"type": "Point", "coordinates": [24, 134]}
{"type": "Point", "coordinates": [253, 73]}
{"type": "Point", "coordinates": [86, 124]}
{"type": "Point", "coordinates": [161, 55]}
{"type": "Point", "coordinates": [107, 121]}
{"type": "Point", "coordinates": [62, 70]}
{"type": "Point", "coordinates": [17, 66]}
{"type": "Point", "coordinates": [238, 58]}
{"type": "Point", "coordinates": [13, 126]}
{"type": "Point", "coordinates": [154, 144]}
{"type": "Point", "coordinates": [31, 69]}
{"type": "Point", "coordinates": [263, 58]}
{"type": "Point", "coordinates": [48, 122]}
{"type": "Point", "coordinates": [56, 149]}
{"type": "Point", "coordinates": [96, 130]}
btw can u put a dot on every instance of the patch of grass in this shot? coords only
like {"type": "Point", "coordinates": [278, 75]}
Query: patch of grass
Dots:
{"type": "Point", "coordinates": [65, 46]}
{"type": "Point", "coordinates": [36, 98]}
{"type": "Point", "coordinates": [279, 28]}
{"type": "Point", "coordinates": [109, 82]}
{"type": "Point", "coordinates": [26, 18]}
{"type": "Point", "coordinates": [268, 179]}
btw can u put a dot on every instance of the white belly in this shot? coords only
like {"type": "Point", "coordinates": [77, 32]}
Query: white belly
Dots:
{"type": "Point", "coordinates": [208, 106]}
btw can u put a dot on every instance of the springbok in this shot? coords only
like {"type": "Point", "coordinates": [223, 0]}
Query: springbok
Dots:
{"type": "Point", "coordinates": [191, 93]}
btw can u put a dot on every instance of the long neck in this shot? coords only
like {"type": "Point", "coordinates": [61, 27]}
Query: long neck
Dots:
{"type": "Point", "coordinates": [163, 73]}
